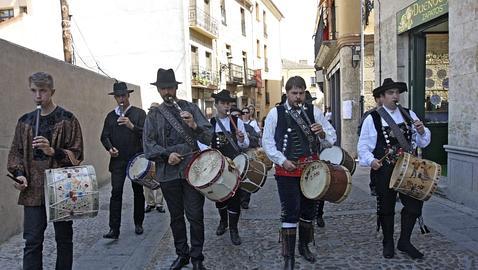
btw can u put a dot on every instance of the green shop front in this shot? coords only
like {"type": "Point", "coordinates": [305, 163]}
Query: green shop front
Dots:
{"type": "Point", "coordinates": [426, 24]}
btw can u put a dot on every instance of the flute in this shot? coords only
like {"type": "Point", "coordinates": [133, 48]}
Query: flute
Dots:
{"type": "Point", "coordinates": [121, 109]}
{"type": "Point", "coordinates": [228, 113]}
{"type": "Point", "coordinates": [308, 119]}
{"type": "Point", "coordinates": [176, 105]}
{"type": "Point", "coordinates": [37, 119]}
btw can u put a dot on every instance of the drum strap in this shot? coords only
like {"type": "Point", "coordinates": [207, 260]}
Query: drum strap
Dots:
{"type": "Point", "coordinates": [395, 129]}
{"type": "Point", "coordinates": [178, 127]}
{"type": "Point", "coordinates": [228, 135]}
{"type": "Point", "coordinates": [303, 126]}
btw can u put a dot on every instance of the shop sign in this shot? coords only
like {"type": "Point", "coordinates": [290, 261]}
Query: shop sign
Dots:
{"type": "Point", "coordinates": [420, 12]}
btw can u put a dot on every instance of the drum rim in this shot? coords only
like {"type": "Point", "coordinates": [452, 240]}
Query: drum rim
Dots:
{"type": "Point", "coordinates": [246, 166]}
{"type": "Point", "coordinates": [130, 162]}
{"type": "Point", "coordinates": [214, 180]}
{"type": "Point", "coordinates": [328, 177]}
{"type": "Point", "coordinates": [332, 147]}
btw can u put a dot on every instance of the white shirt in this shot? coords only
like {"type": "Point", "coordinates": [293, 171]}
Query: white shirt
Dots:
{"type": "Point", "coordinates": [118, 111]}
{"type": "Point", "coordinates": [253, 123]}
{"type": "Point", "coordinates": [269, 144]}
{"type": "Point", "coordinates": [368, 136]}
{"type": "Point", "coordinates": [225, 121]}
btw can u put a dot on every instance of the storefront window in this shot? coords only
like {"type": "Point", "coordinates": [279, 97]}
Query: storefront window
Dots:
{"type": "Point", "coordinates": [436, 77]}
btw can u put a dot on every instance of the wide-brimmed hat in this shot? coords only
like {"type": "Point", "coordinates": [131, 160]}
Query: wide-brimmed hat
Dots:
{"type": "Point", "coordinates": [308, 97]}
{"type": "Point", "coordinates": [165, 79]}
{"type": "Point", "coordinates": [387, 84]}
{"type": "Point", "coordinates": [120, 88]}
{"type": "Point", "coordinates": [223, 95]}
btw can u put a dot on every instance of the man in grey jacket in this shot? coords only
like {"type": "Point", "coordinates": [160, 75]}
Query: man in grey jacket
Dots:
{"type": "Point", "coordinates": [171, 131]}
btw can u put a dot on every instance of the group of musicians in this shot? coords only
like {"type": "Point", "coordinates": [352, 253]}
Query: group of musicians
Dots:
{"type": "Point", "coordinates": [294, 132]}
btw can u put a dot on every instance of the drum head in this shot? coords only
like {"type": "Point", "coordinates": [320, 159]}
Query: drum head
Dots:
{"type": "Point", "coordinates": [241, 163]}
{"type": "Point", "coordinates": [333, 154]}
{"type": "Point", "coordinates": [205, 168]}
{"type": "Point", "coordinates": [315, 180]}
{"type": "Point", "coordinates": [138, 167]}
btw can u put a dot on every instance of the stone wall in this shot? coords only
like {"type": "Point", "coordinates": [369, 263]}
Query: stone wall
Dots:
{"type": "Point", "coordinates": [463, 97]}
{"type": "Point", "coordinates": [78, 90]}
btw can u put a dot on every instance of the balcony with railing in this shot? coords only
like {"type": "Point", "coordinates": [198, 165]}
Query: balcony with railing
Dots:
{"type": "Point", "coordinates": [202, 22]}
{"type": "Point", "coordinates": [204, 78]}
{"type": "Point", "coordinates": [235, 74]}
{"type": "Point", "coordinates": [250, 77]}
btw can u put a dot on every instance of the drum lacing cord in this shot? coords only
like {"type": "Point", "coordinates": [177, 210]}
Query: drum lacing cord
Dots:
{"type": "Point", "coordinates": [423, 228]}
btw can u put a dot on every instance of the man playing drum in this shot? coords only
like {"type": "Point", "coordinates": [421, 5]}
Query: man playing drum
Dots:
{"type": "Point", "coordinates": [292, 135]}
{"type": "Point", "coordinates": [379, 139]}
{"type": "Point", "coordinates": [229, 137]}
{"type": "Point", "coordinates": [171, 132]}
{"type": "Point", "coordinates": [121, 137]}
{"type": "Point", "coordinates": [50, 139]}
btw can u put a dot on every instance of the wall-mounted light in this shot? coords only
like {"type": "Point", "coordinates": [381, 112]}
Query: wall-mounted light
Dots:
{"type": "Point", "coordinates": [355, 56]}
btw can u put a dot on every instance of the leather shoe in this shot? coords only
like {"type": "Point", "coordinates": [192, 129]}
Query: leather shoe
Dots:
{"type": "Point", "coordinates": [179, 263]}
{"type": "Point", "coordinates": [148, 208]}
{"type": "Point", "coordinates": [320, 222]}
{"type": "Point", "coordinates": [138, 229]}
{"type": "Point", "coordinates": [112, 234]}
{"type": "Point", "coordinates": [245, 205]}
{"type": "Point", "coordinates": [160, 209]}
{"type": "Point", "coordinates": [197, 265]}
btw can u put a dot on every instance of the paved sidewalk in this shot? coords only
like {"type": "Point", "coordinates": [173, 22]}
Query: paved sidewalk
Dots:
{"type": "Point", "coordinates": [91, 251]}
{"type": "Point", "coordinates": [348, 241]}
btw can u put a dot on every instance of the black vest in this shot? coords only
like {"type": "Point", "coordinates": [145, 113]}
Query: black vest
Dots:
{"type": "Point", "coordinates": [221, 143]}
{"type": "Point", "coordinates": [290, 139]}
{"type": "Point", "coordinates": [385, 138]}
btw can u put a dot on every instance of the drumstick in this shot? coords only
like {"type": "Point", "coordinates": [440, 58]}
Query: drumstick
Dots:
{"type": "Point", "coordinates": [14, 179]}
{"type": "Point", "coordinates": [189, 153]}
{"type": "Point", "coordinates": [386, 155]}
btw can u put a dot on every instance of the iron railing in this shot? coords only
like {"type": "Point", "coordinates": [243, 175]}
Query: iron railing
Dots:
{"type": "Point", "coordinates": [198, 17]}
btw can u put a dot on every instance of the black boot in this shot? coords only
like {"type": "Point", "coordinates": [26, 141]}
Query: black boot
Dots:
{"type": "Point", "coordinates": [306, 235]}
{"type": "Point", "coordinates": [221, 229]}
{"type": "Point", "coordinates": [234, 232]}
{"type": "Point", "coordinates": [404, 245]}
{"type": "Point", "coordinates": [387, 223]}
{"type": "Point", "coordinates": [112, 234]}
{"type": "Point", "coordinates": [288, 236]}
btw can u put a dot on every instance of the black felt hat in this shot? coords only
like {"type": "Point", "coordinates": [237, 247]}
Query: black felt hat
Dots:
{"type": "Point", "coordinates": [308, 97]}
{"type": "Point", "coordinates": [223, 95]}
{"type": "Point", "coordinates": [387, 84]}
{"type": "Point", "coordinates": [119, 89]}
{"type": "Point", "coordinates": [165, 79]}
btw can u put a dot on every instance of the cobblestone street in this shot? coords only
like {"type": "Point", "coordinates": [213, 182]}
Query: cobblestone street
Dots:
{"type": "Point", "coordinates": [348, 241]}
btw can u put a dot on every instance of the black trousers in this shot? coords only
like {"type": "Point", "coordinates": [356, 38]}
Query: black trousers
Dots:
{"type": "Point", "coordinates": [386, 197]}
{"type": "Point", "coordinates": [34, 226]}
{"type": "Point", "coordinates": [294, 204]}
{"type": "Point", "coordinates": [118, 177]}
{"type": "Point", "coordinates": [320, 208]}
{"type": "Point", "coordinates": [233, 204]}
{"type": "Point", "coordinates": [182, 198]}
{"type": "Point", "coordinates": [245, 196]}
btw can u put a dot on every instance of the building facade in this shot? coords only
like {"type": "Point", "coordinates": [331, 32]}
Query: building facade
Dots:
{"type": "Point", "coordinates": [33, 24]}
{"type": "Point", "coordinates": [433, 46]}
{"type": "Point", "coordinates": [342, 62]}
{"type": "Point", "coordinates": [307, 72]}
{"type": "Point", "coordinates": [249, 52]}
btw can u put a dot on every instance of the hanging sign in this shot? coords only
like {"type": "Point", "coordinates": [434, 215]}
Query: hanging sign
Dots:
{"type": "Point", "coordinates": [420, 12]}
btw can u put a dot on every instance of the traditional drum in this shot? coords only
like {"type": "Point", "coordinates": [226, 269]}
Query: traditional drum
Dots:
{"type": "Point", "coordinates": [71, 193]}
{"type": "Point", "coordinates": [260, 155]}
{"type": "Point", "coordinates": [252, 173]}
{"type": "Point", "coordinates": [325, 181]}
{"type": "Point", "coordinates": [415, 177]}
{"type": "Point", "coordinates": [213, 174]}
{"type": "Point", "coordinates": [142, 171]}
{"type": "Point", "coordinates": [339, 156]}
